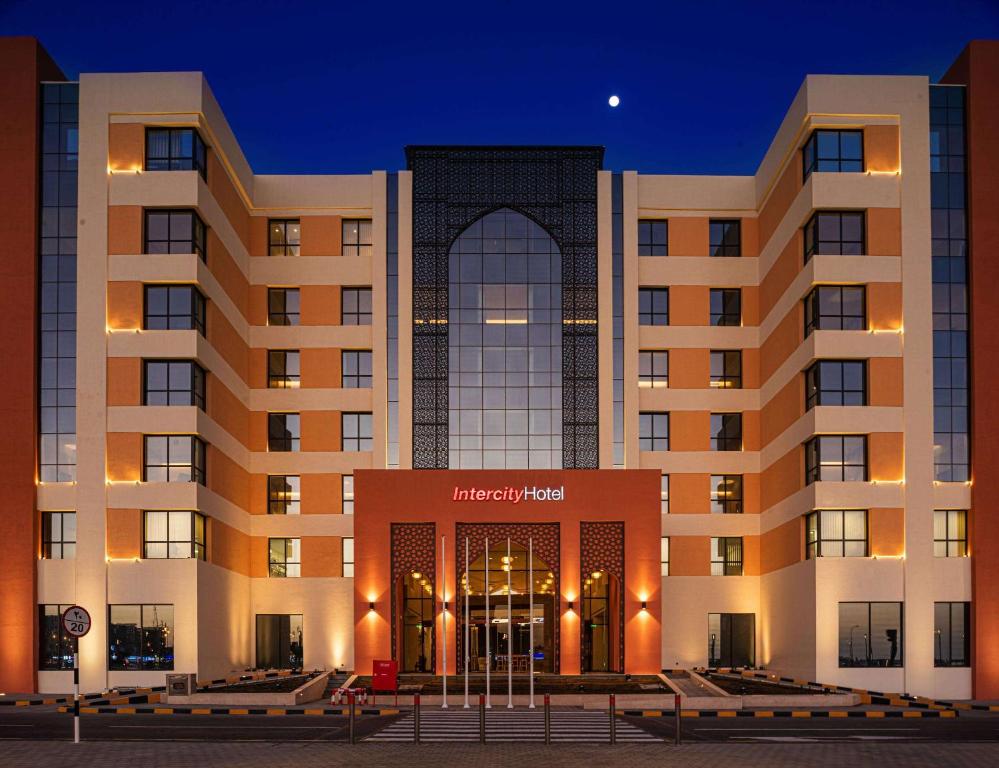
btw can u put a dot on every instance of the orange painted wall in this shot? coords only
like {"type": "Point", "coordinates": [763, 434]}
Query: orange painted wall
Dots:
{"type": "Point", "coordinates": [126, 146]}
{"type": "Point", "coordinates": [124, 381]}
{"type": "Point", "coordinates": [782, 546]}
{"type": "Point", "coordinates": [228, 198]}
{"type": "Point", "coordinates": [230, 548]}
{"type": "Point", "coordinates": [227, 272]}
{"type": "Point", "coordinates": [227, 478]}
{"type": "Point", "coordinates": [321, 431]}
{"type": "Point", "coordinates": [387, 496]}
{"type": "Point", "coordinates": [884, 306]}
{"type": "Point", "coordinates": [881, 148]}
{"type": "Point", "coordinates": [781, 196]}
{"type": "Point", "coordinates": [782, 478]}
{"type": "Point", "coordinates": [322, 494]}
{"type": "Point", "coordinates": [782, 273]}
{"type": "Point", "coordinates": [689, 305]}
{"type": "Point", "coordinates": [688, 236]}
{"type": "Point", "coordinates": [689, 368]}
{"type": "Point", "coordinates": [689, 494]}
{"type": "Point", "coordinates": [23, 64]}
{"type": "Point", "coordinates": [124, 305]}
{"type": "Point", "coordinates": [124, 230]}
{"type": "Point", "coordinates": [978, 68]}
{"type": "Point", "coordinates": [124, 457]}
{"type": "Point", "coordinates": [886, 531]}
{"type": "Point", "coordinates": [886, 456]}
{"type": "Point", "coordinates": [124, 533]}
{"type": "Point", "coordinates": [322, 556]}
{"type": "Point", "coordinates": [690, 431]}
{"type": "Point", "coordinates": [689, 555]}
{"type": "Point", "coordinates": [321, 367]}
{"type": "Point", "coordinates": [321, 235]}
{"type": "Point", "coordinates": [884, 375]}
{"type": "Point", "coordinates": [884, 231]}
{"type": "Point", "coordinates": [320, 305]}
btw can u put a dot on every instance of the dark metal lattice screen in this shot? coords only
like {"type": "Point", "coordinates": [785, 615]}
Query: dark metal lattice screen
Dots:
{"type": "Point", "coordinates": [555, 186]}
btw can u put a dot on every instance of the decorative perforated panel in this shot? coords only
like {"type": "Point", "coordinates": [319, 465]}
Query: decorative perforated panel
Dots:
{"type": "Point", "coordinates": [557, 188]}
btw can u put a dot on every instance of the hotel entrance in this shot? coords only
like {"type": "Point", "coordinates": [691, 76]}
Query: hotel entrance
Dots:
{"type": "Point", "coordinates": [504, 627]}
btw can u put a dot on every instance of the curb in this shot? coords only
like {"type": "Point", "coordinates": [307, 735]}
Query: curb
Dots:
{"type": "Point", "coordinates": [796, 713]}
{"type": "Point", "coordinates": [270, 711]}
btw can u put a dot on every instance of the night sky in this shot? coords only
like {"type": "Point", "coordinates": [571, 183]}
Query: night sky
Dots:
{"type": "Point", "coordinates": [333, 87]}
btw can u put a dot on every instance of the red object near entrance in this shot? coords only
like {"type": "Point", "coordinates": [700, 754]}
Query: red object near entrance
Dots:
{"type": "Point", "coordinates": [385, 678]}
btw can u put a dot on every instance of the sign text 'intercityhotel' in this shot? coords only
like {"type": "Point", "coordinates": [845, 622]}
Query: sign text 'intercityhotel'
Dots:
{"type": "Point", "coordinates": [509, 493]}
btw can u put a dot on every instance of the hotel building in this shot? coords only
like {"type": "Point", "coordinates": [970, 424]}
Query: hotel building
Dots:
{"type": "Point", "coordinates": [735, 420]}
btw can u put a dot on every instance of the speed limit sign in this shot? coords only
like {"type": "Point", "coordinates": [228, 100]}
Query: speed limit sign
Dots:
{"type": "Point", "coordinates": [76, 621]}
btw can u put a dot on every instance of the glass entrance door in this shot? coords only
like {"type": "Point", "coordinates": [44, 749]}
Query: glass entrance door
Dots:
{"type": "Point", "coordinates": [508, 624]}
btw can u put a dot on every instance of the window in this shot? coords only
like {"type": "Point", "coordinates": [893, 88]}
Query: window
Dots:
{"type": "Point", "coordinates": [174, 459]}
{"type": "Point", "coordinates": [356, 432]}
{"type": "Point", "coordinates": [725, 237]}
{"type": "Point", "coordinates": [279, 641]}
{"type": "Point", "coordinates": [58, 535]}
{"type": "Point", "coordinates": [664, 494]}
{"type": "Point", "coordinates": [283, 369]}
{"type": "Point", "coordinates": [282, 306]}
{"type": "Point", "coordinates": [836, 533]}
{"type": "Point", "coordinates": [726, 306]}
{"type": "Point", "coordinates": [356, 240]}
{"type": "Point", "coordinates": [653, 431]}
{"type": "Point", "coordinates": [664, 555]}
{"type": "Point", "coordinates": [55, 645]}
{"type": "Point", "coordinates": [284, 558]}
{"type": "Point", "coordinates": [835, 308]}
{"type": "Point", "coordinates": [347, 495]}
{"type": "Point", "coordinates": [284, 432]}
{"type": "Point", "coordinates": [726, 494]}
{"type": "Point", "coordinates": [837, 458]}
{"type": "Point", "coordinates": [834, 233]}
{"type": "Point", "coordinates": [176, 149]}
{"type": "Point", "coordinates": [950, 533]}
{"type": "Point", "coordinates": [173, 534]}
{"type": "Point", "coordinates": [726, 556]}
{"type": "Point", "coordinates": [726, 431]}
{"type": "Point", "coordinates": [653, 368]}
{"type": "Point", "coordinates": [870, 634]}
{"type": "Point", "coordinates": [173, 382]}
{"type": "Point", "coordinates": [348, 556]}
{"type": "Point", "coordinates": [284, 237]}
{"type": "Point", "coordinates": [355, 369]}
{"type": "Point", "coordinates": [836, 382]}
{"type": "Point", "coordinates": [653, 306]}
{"type": "Point", "coordinates": [833, 151]}
{"type": "Point", "coordinates": [284, 495]}
{"type": "Point", "coordinates": [355, 308]}
{"type": "Point", "coordinates": [175, 232]}
{"type": "Point", "coordinates": [174, 308]}
{"type": "Point", "coordinates": [652, 240]}
{"type": "Point", "coordinates": [140, 637]}
{"type": "Point", "coordinates": [726, 368]}
{"type": "Point", "coordinates": [952, 634]}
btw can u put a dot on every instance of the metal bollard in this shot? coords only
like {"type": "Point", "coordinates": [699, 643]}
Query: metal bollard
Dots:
{"type": "Point", "coordinates": [482, 718]}
{"type": "Point", "coordinates": [548, 718]}
{"type": "Point", "coordinates": [676, 717]}
{"type": "Point", "coordinates": [613, 722]}
{"type": "Point", "coordinates": [351, 715]}
{"type": "Point", "coordinates": [416, 718]}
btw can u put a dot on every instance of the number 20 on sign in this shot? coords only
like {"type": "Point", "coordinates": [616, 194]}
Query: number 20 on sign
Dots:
{"type": "Point", "coordinates": [76, 621]}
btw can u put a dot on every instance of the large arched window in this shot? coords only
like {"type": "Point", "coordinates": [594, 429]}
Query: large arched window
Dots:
{"type": "Point", "coordinates": [505, 345]}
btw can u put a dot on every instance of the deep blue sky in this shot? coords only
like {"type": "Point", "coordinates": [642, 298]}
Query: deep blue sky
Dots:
{"type": "Point", "coordinates": [334, 87]}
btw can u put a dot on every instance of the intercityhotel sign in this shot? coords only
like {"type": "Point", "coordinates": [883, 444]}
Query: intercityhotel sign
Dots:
{"type": "Point", "coordinates": [509, 493]}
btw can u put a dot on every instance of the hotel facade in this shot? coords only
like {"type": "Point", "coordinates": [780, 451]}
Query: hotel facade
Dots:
{"type": "Point", "coordinates": [287, 421]}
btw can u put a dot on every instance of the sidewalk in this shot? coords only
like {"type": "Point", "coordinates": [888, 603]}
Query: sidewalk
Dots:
{"type": "Point", "coordinates": [22, 754]}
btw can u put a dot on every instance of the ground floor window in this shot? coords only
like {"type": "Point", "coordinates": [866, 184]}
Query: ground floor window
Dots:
{"type": "Point", "coordinates": [870, 634]}
{"type": "Point", "coordinates": [417, 623]}
{"type": "Point", "coordinates": [731, 639]}
{"type": "Point", "coordinates": [279, 641]}
{"type": "Point", "coordinates": [55, 646]}
{"type": "Point", "coordinates": [140, 637]}
{"type": "Point", "coordinates": [951, 635]}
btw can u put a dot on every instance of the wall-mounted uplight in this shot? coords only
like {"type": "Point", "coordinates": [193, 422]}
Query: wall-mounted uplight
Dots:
{"type": "Point", "coordinates": [568, 605]}
{"type": "Point", "coordinates": [645, 605]}
{"type": "Point", "coordinates": [371, 606]}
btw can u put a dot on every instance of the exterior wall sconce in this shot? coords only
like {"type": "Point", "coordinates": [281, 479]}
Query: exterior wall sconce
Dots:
{"type": "Point", "coordinates": [371, 606]}
{"type": "Point", "coordinates": [645, 605]}
{"type": "Point", "coordinates": [569, 605]}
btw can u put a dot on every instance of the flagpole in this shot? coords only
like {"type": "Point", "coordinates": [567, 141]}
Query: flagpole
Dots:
{"type": "Point", "coordinates": [489, 699]}
{"type": "Point", "coordinates": [444, 620]}
{"type": "Point", "coordinates": [509, 627]}
{"type": "Point", "coordinates": [468, 586]}
{"type": "Point", "coordinates": [530, 616]}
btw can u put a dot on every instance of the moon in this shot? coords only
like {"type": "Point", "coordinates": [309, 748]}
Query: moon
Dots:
{"type": "Point", "coordinates": [613, 101]}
